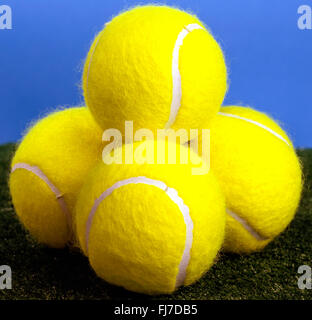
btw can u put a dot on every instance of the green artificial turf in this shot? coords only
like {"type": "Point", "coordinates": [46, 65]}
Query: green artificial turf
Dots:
{"type": "Point", "coordinates": [43, 273]}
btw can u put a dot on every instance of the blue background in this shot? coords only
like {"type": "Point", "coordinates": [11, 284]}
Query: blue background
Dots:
{"type": "Point", "coordinates": [269, 59]}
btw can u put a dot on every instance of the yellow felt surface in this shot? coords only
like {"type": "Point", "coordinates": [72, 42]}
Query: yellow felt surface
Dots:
{"type": "Point", "coordinates": [128, 71]}
{"type": "Point", "coordinates": [64, 145]}
{"type": "Point", "coordinates": [38, 208]}
{"type": "Point", "coordinates": [137, 235]}
{"type": "Point", "coordinates": [260, 176]}
{"type": "Point", "coordinates": [239, 240]}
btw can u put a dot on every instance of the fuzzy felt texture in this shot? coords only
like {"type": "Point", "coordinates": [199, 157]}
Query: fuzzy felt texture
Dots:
{"type": "Point", "coordinates": [128, 71]}
{"type": "Point", "coordinates": [260, 175]}
{"type": "Point", "coordinates": [64, 146]}
{"type": "Point", "coordinates": [137, 236]}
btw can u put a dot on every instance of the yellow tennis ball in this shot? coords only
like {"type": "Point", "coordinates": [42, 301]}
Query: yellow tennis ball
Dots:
{"type": "Point", "coordinates": [150, 228]}
{"type": "Point", "coordinates": [152, 65]}
{"type": "Point", "coordinates": [260, 175]}
{"type": "Point", "coordinates": [48, 169]}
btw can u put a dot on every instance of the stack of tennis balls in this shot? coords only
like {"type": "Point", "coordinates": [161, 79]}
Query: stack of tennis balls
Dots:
{"type": "Point", "coordinates": [145, 226]}
{"type": "Point", "coordinates": [160, 68]}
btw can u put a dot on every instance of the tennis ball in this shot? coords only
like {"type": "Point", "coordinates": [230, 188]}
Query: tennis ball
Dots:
{"type": "Point", "coordinates": [48, 169]}
{"type": "Point", "coordinates": [259, 173]}
{"type": "Point", "coordinates": [152, 65]}
{"type": "Point", "coordinates": [150, 228]}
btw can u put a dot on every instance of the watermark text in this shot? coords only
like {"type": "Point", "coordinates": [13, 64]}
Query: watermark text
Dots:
{"type": "Point", "coordinates": [305, 18]}
{"type": "Point", "coordinates": [5, 17]}
{"type": "Point", "coordinates": [160, 149]}
{"type": "Point", "coordinates": [305, 281]}
{"type": "Point", "coordinates": [5, 277]}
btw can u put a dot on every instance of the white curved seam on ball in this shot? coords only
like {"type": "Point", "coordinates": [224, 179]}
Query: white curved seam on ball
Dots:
{"type": "Point", "coordinates": [246, 226]}
{"type": "Point", "coordinates": [176, 75]}
{"type": "Point", "coordinates": [173, 195]}
{"type": "Point", "coordinates": [89, 66]}
{"type": "Point", "coordinates": [59, 196]}
{"type": "Point", "coordinates": [255, 123]}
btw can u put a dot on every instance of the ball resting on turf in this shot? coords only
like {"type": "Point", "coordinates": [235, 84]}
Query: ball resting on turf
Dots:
{"type": "Point", "coordinates": [260, 175]}
{"type": "Point", "coordinates": [48, 170]}
{"type": "Point", "coordinates": [150, 228]}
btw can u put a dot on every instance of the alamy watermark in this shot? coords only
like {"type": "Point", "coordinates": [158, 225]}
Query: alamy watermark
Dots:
{"type": "Point", "coordinates": [161, 149]}
{"type": "Point", "coordinates": [5, 277]}
{"type": "Point", "coordinates": [5, 17]}
{"type": "Point", "coordinates": [305, 281]}
{"type": "Point", "coordinates": [305, 18]}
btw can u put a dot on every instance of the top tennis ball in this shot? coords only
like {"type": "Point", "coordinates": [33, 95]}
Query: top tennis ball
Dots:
{"type": "Point", "coordinates": [152, 65]}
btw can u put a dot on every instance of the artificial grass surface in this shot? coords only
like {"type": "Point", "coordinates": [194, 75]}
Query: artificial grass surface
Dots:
{"type": "Point", "coordinates": [42, 273]}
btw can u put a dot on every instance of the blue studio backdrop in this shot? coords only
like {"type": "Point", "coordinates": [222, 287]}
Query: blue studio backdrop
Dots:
{"type": "Point", "coordinates": [269, 57]}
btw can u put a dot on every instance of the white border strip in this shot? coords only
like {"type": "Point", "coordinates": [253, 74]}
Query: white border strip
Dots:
{"type": "Point", "coordinates": [59, 196]}
{"type": "Point", "coordinates": [255, 123]}
{"type": "Point", "coordinates": [246, 226]}
{"type": "Point", "coordinates": [176, 76]}
{"type": "Point", "coordinates": [173, 195]}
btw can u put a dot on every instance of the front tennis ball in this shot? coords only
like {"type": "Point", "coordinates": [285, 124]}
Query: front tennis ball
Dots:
{"type": "Point", "coordinates": [48, 169]}
{"type": "Point", "coordinates": [150, 228]}
{"type": "Point", "coordinates": [260, 175]}
{"type": "Point", "coordinates": [156, 66]}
